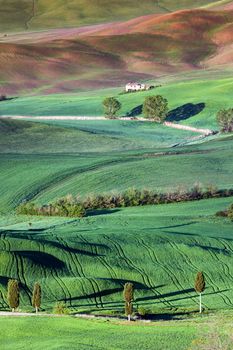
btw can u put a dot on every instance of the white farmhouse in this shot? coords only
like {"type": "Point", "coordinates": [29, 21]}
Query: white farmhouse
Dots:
{"type": "Point", "coordinates": [130, 87]}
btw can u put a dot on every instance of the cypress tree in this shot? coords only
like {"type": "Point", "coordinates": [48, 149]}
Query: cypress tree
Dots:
{"type": "Point", "coordinates": [36, 296]}
{"type": "Point", "coordinates": [200, 286]}
{"type": "Point", "coordinates": [13, 294]}
{"type": "Point", "coordinates": [128, 295]}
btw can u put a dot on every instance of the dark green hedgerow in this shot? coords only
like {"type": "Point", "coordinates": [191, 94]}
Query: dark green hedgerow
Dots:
{"type": "Point", "coordinates": [226, 213]}
{"type": "Point", "coordinates": [71, 206]}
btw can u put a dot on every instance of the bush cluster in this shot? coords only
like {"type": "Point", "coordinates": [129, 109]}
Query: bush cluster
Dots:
{"type": "Point", "coordinates": [228, 213]}
{"type": "Point", "coordinates": [67, 206]}
{"type": "Point", "coordinates": [225, 120]}
{"type": "Point", "coordinates": [3, 98]}
{"type": "Point", "coordinates": [70, 206]}
{"type": "Point", "coordinates": [61, 309]}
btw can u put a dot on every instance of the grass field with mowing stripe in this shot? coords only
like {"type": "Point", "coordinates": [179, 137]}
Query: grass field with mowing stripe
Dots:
{"type": "Point", "coordinates": [68, 333]}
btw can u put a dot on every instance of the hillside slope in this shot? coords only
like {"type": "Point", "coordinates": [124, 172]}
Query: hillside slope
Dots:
{"type": "Point", "coordinates": [143, 48]}
{"type": "Point", "coordinates": [85, 263]}
{"type": "Point", "coordinates": [41, 14]}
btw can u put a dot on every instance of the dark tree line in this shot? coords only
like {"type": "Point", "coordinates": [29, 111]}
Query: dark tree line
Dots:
{"type": "Point", "coordinates": [70, 206]}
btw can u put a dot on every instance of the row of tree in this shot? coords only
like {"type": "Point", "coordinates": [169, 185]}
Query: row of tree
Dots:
{"type": "Point", "coordinates": [70, 206]}
{"type": "Point", "coordinates": [13, 295]}
{"type": "Point", "coordinates": [154, 107]}
{"type": "Point", "coordinates": [128, 293]}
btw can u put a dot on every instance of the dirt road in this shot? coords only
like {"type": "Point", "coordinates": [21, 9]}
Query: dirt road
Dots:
{"type": "Point", "coordinates": [205, 132]}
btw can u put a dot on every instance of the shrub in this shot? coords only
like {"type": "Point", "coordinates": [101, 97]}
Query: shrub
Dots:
{"type": "Point", "coordinates": [222, 213]}
{"type": "Point", "coordinates": [142, 311]}
{"type": "Point", "coordinates": [61, 309]}
{"type": "Point", "coordinates": [225, 120]}
{"type": "Point", "coordinates": [226, 213]}
{"type": "Point", "coordinates": [230, 212]}
{"type": "Point", "coordinates": [3, 98]}
{"type": "Point", "coordinates": [27, 208]}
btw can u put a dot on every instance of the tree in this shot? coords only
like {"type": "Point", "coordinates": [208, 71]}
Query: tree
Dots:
{"type": "Point", "coordinates": [111, 107]}
{"type": "Point", "coordinates": [13, 294]}
{"type": "Point", "coordinates": [36, 296]}
{"type": "Point", "coordinates": [225, 120]}
{"type": "Point", "coordinates": [200, 286]}
{"type": "Point", "coordinates": [128, 294]}
{"type": "Point", "coordinates": [156, 108]}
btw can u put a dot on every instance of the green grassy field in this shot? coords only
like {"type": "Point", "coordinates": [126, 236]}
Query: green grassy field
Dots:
{"type": "Point", "coordinates": [86, 262]}
{"type": "Point", "coordinates": [96, 157]}
{"type": "Point", "coordinates": [68, 333]}
{"type": "Point", "coordinates": [210, 94]}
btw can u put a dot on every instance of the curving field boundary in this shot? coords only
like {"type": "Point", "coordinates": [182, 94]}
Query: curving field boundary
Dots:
{"type": "Point", "coordinates": [205, 132]}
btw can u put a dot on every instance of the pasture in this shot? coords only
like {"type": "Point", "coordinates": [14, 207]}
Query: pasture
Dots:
{"type": "Point", "coordinates": [195, 102]}
{"type": "Point", "coordinates": [70, 333]}
{"type": "Point", "coordinates": [86, 262]}
{"type": "Point", "coordinates": [104, 157]}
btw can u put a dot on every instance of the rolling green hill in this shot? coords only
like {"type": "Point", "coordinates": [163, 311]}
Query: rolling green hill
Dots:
{"type": "Point", "coordinates": [86, 262]}
{"type": "Point", "coordinates": [62, 58]}
{"type": "Point", "coordinates": [198, 100]}
{"type": "Point", "coordinates": [104, 156]}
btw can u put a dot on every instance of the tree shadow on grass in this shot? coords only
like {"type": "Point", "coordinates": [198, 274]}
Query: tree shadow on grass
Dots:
{"type": "Point", "coordinates": [40, 258]}
{"type": "Point", "coordinates": [96, 212]}
{"type": "Point", "coordinates": [5, 98]}
{"type": "Point", "coordinates": [179, 233]}
{"type": "Point", "coordinates": [107, 292]}
{"type": "Point", "coordinates": [135, 112]}
{"type": "Point", "coordinates": [170, 316]}
{"type": "Point", "coordinates": [185, 112]}
{"type": "Point", "coordinates": [178, 293]}
{"type": "Point", "coordinates": [166, 295]}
